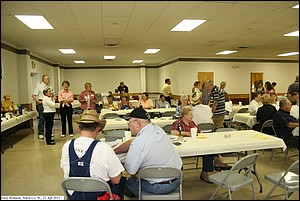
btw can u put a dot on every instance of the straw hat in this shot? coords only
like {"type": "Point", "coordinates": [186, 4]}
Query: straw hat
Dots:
{"type": "Point", "coordinates": [91, 116]}
{"type": "Point", "coordinates": [195, 97]}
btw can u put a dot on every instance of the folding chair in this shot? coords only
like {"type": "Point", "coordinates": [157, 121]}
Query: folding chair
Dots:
{"type": "Point", "coordinates": [232, 180]}
{"type": "Point", "coordinates": [168, 114]}
{"type": "Point", "coordinates": [159, 172]}
{"type": "Point", "coordinates": [287, 180]}
{"type": "Point", "coordinates": [167, 129]}
{"type": "Point", "coordinates": [113, 135]}
{"type": "Point", "coordinates": [238, 125]}
{"type": "Point", "coordinates": [85, 184]}
{"type": "Point", "coordinates": [206, 127]}
{"type": "Point", "coordinates": [286, 152]}
{"type": "Point", "coordinates": [110, 116]}
{"type": "Point", "coordinates": [267, 128]}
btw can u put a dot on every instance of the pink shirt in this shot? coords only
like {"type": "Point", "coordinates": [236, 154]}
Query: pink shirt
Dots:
{"type": "Point", "coordinates": [148, 104]}
{"type": "Point", "coordinates": [62, 95]}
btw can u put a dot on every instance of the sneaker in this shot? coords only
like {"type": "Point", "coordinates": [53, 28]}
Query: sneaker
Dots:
{"type": "Point", "coordinates": [62, 136]}
{"type": "Point", "coordinates": [41, 136]}
{"type": "Point", "coordinates": [71, 135]}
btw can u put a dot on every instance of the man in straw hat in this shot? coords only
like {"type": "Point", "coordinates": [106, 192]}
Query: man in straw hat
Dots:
{"type": "Point", "coordinates": [88, 157]}
{"type": "Point", "coordinates": [150, 141]}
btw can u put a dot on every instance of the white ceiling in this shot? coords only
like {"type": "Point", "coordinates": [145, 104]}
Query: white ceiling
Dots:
{"type": "Point", "coordinates": [86, 26]}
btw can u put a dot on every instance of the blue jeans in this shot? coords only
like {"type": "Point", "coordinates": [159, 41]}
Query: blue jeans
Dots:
{"type": "Point", "coordinates": [133, 185]}
{"type": "Point", "coordinates": [41, 124]}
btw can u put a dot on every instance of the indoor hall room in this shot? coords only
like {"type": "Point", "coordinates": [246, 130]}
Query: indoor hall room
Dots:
{"type": "Point", "coordinates": [31, 168]}
{"type": "Point", "coordinates": [243, 44]}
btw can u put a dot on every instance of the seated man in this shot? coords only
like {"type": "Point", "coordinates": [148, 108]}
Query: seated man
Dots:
{"type": "Point", "coordinates": [88, 157]}
{"type": "Point", "coordinates": [162, 103]}
{"type": "Point", "coordinates": [150, 147]}
{"type": "Point", "coordinates": [145, 102]}
{"type": "Point", "coordinates": [284, 124]}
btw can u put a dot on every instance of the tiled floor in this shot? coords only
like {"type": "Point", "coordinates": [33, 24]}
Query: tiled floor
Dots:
{"type": "Point", "coordinates": [33, 168]}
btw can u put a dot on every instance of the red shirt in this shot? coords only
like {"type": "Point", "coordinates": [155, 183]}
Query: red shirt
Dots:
{"type": "Point", "coordinates": [185, 127]}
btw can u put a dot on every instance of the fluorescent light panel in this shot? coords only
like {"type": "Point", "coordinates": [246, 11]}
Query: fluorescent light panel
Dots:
{"type": "Point", "coordinates": [297, 6]}
{"type": "Point", "coordinates": [295, 33]}
{"type": "Point", "coordinates": [137, 61]}
{"type": "Point", "coordinates": [109, 57]}
{"type": "Point", "coordinates": [288, 54]}
{"type": "Point", "coordinates": [79, 62]}
{"type": "Point", "coordinates": [34, 21]}
{"type": "Point", "coordinates": [187, 25]}
{"type": "Point", "coordinates": [151, 51]}
{"type": "Point", "coordinates": [227, 52]}
{"type": "Point", "coordinates": [67, 51]}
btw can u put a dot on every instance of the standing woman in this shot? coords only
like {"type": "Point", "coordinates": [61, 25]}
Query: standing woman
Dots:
{"type": "Point", "coordinates": [88, 98]}
{"type": "Point", "coordinates": [49, 112]}
{"type": "Point", "coordinates": [65, 98]}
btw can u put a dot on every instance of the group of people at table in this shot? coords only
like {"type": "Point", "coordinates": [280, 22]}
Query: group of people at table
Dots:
{"type": "Point", "coordinates": [86, 156]}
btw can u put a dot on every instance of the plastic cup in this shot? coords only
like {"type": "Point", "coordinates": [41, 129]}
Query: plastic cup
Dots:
{"type": "Point", "coordinates": [167, 106]}
{"type": "Point", "coordinates": [127, 135]}
{"type": "Point", "coordinates": [193, 132]}
{"type": "Point", "coordinates": [240, 103]}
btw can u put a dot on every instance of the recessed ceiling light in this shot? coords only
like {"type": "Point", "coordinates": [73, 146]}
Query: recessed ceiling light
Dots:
{"type": "Point", "coordinates": [295, 33]}
{"type": "Point", "coordinates": [187, 25]}
{"type": "Point", "coordinates": [288, 54]}
{"type": "Point", "coordinates": [151, 51]}
{"type": "Point", "coordinates": [109, 57]}
{"type": "Point", "coordinates": [137, 61]}
{"type": "Point", "coordinates": [297, 6]}
{"type": "Point", "coordinates": [67, 51]}
{"type": "Point", "coordinates": [79, 62]}
{"type": "Point", "coordinates": [34, 21]}
{"type": "Point", "coordinates": [227, 52]}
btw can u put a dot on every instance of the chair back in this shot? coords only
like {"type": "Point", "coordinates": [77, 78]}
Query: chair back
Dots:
{"type": "Point", "coordinates": [206, 127]}
{"type": "Point", "coordinates": [245, 163]}
{"type": "Point", "coordinates": [113, 135]}
{"type": "Point", "coordinates": [85, 184]}
{"type": "Point", "coordinates": [110, 116]}
{"type": "Point", "coordinates": [168, 128]}
{"type": "Point", "coordinates": [243, 110]}
{"type": "Point", "coordinates": [267, 125]}
{"type": "Point", "coordinates": [168, 114]}
{"type": "Point", "coordinates": [160, 172]}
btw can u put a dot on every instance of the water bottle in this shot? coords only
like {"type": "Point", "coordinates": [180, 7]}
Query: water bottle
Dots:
{"type": "Point", "coordinates": [20, 110]}
{"type": "Point", "coordinates": [179, 130]}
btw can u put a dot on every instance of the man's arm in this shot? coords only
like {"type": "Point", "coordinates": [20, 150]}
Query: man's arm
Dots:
{"type": "Point", "coordinates": [124, 147]}
{"type": "Point", "coordinates": [293, 125]}
{"type": "Point", "coordinates": [116, 180]}
{"type": "Point", "coordinates": [36, 99]}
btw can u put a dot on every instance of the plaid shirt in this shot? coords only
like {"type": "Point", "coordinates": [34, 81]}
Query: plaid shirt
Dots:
{"type": "Point", "coordinates": [185, 127]}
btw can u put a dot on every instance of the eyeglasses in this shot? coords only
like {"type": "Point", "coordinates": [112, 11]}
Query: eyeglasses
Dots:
{"type": "Point", "coordinates": [129, 122]}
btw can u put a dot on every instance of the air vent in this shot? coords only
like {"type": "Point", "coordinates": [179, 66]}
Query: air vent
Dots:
{"type": "Point", "coordinates": [111, 45]}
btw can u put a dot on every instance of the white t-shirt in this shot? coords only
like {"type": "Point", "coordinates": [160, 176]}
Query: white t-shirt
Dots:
{"type": "Point", "coordinates": [253, 107]}
{"type": "Point", "coordinates": [104, 162]}
{"type": "Point", "coordinates": [202, 114]}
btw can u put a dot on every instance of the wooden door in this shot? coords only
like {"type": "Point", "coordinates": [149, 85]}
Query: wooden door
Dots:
{"type": "Point", "coordinates": [254, 78]}
{"type": "Point", "coordinates": [203, 76]}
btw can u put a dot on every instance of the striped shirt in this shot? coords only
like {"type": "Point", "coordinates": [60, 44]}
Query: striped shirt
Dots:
{"type": "Point", "coordinates": [217, 95]}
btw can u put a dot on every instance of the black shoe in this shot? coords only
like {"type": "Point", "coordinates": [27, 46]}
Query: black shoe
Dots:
{"type": "Point", "coordinates": [220, 168]}
{"type": "Point", "coordinates": [51, 143]}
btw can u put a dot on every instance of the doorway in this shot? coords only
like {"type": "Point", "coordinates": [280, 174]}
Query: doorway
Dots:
{"type": "Point", "coordinates": [254, 80]}
{"type": "Point", "coordinates": [203, 76]}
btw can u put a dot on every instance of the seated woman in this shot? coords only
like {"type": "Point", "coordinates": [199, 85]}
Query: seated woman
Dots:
{"type": "Point", "coordinates": [184, 124]}
{"type": "Point", "coordinates": [125, 104]}
{"type": "Point", "coordinates": [183, 102]}
{"type": "Point", "coordinates": [145, 102]}
{"type": "Point", "coordinates": [111, 104]}
{"type": "Point", "coordinates": [264, 113]}
{"type": "Point", "coordinates": [162, 103]}
{"type": "Point", "coordinates": [273, 100]}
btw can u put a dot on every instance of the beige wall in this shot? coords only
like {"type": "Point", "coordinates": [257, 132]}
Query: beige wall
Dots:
{"type": "Point", "coordinates": [182, 75]}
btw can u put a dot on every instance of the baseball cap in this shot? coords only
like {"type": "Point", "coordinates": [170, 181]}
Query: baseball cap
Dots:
{"type": "Point", "coordinates": [138, 113]}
